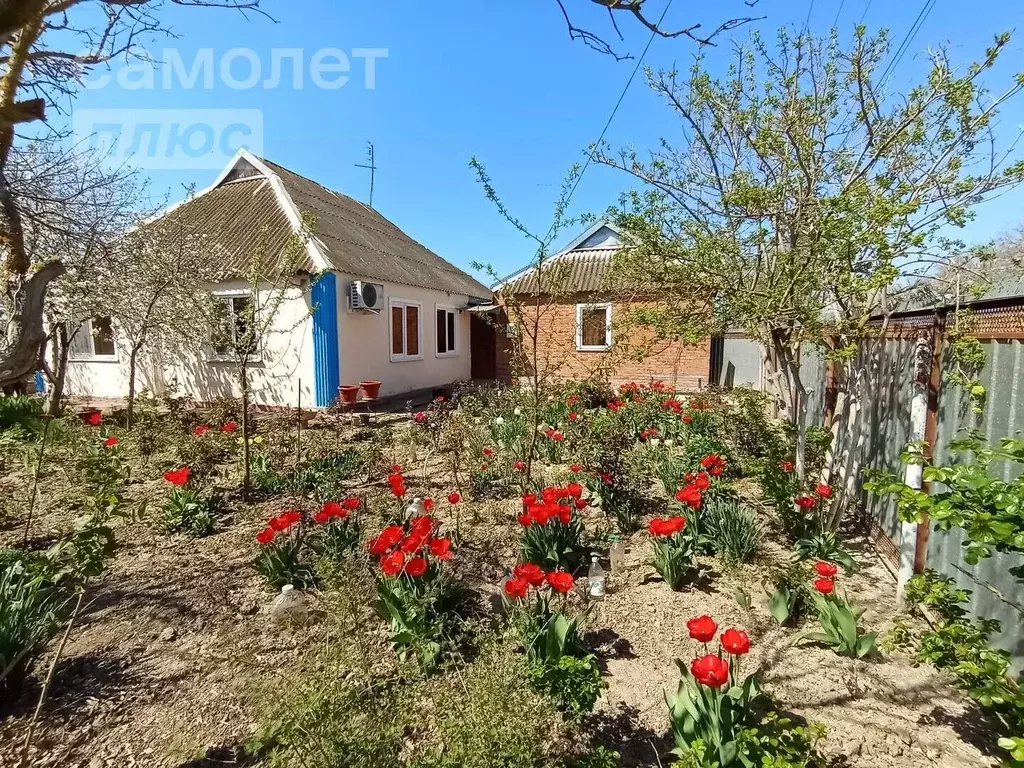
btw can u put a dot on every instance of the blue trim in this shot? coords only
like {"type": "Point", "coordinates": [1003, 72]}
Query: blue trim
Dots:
{"type": "Point", "coordinates": [324, 296]}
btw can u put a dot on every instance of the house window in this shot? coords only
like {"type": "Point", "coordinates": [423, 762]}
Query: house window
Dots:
{"type": "Point", "coordinates": [593, 327]}
{"type": "Point", "coordinates": [405, 330]}
{"type": "Point", "coordinates": [446, 346]}
{"type": "Point", "coordinates": [93, 341]}
{"type": "Point", "coordinates": [233, 329]}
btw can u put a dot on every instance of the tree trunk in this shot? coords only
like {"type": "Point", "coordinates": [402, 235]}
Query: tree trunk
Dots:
{"type": "Point", "coordinates": [26, 334]}
{"type": "Point", "coordinates": [133, 359]}
{"type": "Point", "coordinates": [243, 381]}
{"type": "Point", "coordinates": [61, 348]}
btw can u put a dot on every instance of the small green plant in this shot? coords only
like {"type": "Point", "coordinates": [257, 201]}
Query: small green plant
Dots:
{"type": "Point", "coordinates": [788, 596]}
{"type": "Point", "coordinates": [573, 683]}
{"type": "Point", "coordinates": [264, 477]}
{"type": "Point", "coordinates": [31, 610]}
{"type": "Point", "coordinates": [189, 512]}
{"type": "Point", "coordinates": [825, 546]}
{"type": "Point", "coordinates": [734, 528]}
{"type": "Point", "coordinates": [838, 619]}
{"type": "Point", "coordinates": [675, 551]}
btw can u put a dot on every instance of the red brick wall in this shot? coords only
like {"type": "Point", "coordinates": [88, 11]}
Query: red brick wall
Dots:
{"type": "Point", "coordinates": [634, 356]}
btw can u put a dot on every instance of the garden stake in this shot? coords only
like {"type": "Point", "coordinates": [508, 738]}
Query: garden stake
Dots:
{"type": "Point", "coordinates": [49, 675]}
{"type": "Point", "coordinates": [35, 479]}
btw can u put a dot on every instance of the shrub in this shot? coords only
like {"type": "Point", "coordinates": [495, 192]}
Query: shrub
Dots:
{"type": "Point", "coordinates": [675, 551]}
{"type": "Point", "coordinates": [21, 412]}
{"type": "Point", "coordinates": [734, 528]}
{"type": "Point", "coordinates": [963, 646]}
{"type": "Point", "coordinates": [552, 532]}
{"type": "Point", "coordinates": [573, 683]}
{"type": "Point", "coordinates": [789, 597]}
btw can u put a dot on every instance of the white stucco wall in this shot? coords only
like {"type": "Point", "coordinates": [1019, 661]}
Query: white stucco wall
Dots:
{"type": "Point", "coordinates": [287, 359]}
{"type": "Point", "coordinates": [364, 342]}
{"type": "Point", "coordinates": [364, 347]}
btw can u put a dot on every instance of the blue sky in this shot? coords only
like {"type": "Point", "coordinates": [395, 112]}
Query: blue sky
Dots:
{"type": "Point", "coordinates": [500, 80]}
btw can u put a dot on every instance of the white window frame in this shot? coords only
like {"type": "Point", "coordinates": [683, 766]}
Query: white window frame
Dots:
{"type": "Point", "coordinates": [229, 296]}
{"type": "Point", "coordinates": [454, 351]}
{"type": "Point", "coordinates": [403, 303]}
{"type": "Point", "coordinates": [580, 308]}
{"type": "Point", "coordinates": [85, 332]}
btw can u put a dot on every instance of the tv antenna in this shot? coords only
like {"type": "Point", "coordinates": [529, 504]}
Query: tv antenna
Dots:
{"type": "Point", "coordinates": [371, 166]}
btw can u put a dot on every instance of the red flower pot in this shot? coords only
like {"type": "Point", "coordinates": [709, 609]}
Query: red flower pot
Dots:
{"type": "Point", "coordinates": [370, 389]}
{"type": "Point", "coordinates": [348, 393]}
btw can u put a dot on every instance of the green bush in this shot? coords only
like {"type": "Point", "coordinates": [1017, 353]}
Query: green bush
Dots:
{"type": "Point", "coordinates": [327, 478]}
{"type": "Point", "coordinates": [733, 527]}
{"type": "Point", "coordinates": [21, 412]}
{"type": "Point", "coordinates": [573, 683]}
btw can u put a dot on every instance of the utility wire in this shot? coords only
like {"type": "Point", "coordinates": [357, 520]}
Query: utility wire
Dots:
{"type": "Point", "coordinates": [911, 34]}
{"type": "Point", "coordinates": [807, 21]}
{"type": "Point", "coordinates": [841, 4]}
{"type": "Point", "coordinates": [863, 15]}
{"type": "Point", "coordinates": [622, 96]}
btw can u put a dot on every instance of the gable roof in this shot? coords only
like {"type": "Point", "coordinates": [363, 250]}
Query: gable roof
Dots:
{"type": "Point", "coordinates": [349, 237]}
{"type": "Point", "coordinates": [581, 266]}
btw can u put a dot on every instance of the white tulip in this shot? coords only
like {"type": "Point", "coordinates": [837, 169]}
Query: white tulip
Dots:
{"type": "Point", "coordinates": [499, 420]}
{"type": "Point", "coordinates": [655, 442]}
{"type": "Point", "coordinates": [669, 443]}
{"type": "Point", "coordinates": [518, 411]}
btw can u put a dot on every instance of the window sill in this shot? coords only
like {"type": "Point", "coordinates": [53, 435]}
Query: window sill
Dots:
{"type": "Point", "coordinates": [445, 355]}
{"type": "Point", "coordinates": [406, 359]}
{"type": "Point", "coordinates": [593, 349]}
{"type": "Point", "coordinates": [94, 359]}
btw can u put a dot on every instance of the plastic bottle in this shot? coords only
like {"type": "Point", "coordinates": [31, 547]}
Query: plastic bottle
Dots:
{"type": "Point", "coordinates": [616, 555]}
{"type": "Point", "coordinates": [597, 578]}
{"type": "Point", "coordinates": [289, 607]}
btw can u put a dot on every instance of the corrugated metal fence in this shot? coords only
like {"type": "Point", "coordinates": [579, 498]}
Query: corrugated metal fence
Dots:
{"type": "Point", "coordinates": [881, 433]}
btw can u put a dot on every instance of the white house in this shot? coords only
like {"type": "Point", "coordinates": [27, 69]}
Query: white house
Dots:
{"type": "Point", "coordinates": [369, 303]}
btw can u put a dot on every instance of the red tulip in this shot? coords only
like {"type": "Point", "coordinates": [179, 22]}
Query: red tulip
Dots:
{"type": "Point", "coordinates": [824, 491]}
{"type": "Point", "coordinates": [516, 588]}
{"type": "Point", "coordinates": [577, 468]}
{"type": "Point", "coordinates": [702, 628]}
{"type": "Point", "coordinates": [110, 442]}
{"type": "Point", "coordinates": [392, 564]}
{"type": "Point", "coordinates": [441, 548]}
{"type": "Point", "coordinates": [178, 477]}
{"type": "Point", "coordinates": [351, 503]}
{"type": "Point", "coordinates": [531, 573]}
{"type": "Point", "coordinates": [560, 581]}
{"type": "Point", "coordinates": [201, 430]}
{"type": "Point", "coordinates": [736, 641]}
{"type": "Point", "coordinates": [428, 504]}
{"type": "Point", "coordinates": [454, 497]}
{"type": "Point", "coordinates": [575, 490]}
{"type": "Point", "coordinates": [416, 567]}
{"type": "Point", "coordinates": [786, 466]}
{"type": "Point", "coordinates": [805, 502]}
{"type": "Point", "coordinates": [230, 426]}
{"type": "Point", "coordinates": [710, 670]}
{"type": "Point", "coordinates": [488, 451]}
{"type": "Point", "coordinates": [582, 504]}
{"type": "Point", "coordinates": [825, 586]}
{"type": "Point", "coordinates": [333, 509]}
{"type": "Point", "coordinates": [266, 535]}
{"type": "Point", "coordinates": [826, 570]}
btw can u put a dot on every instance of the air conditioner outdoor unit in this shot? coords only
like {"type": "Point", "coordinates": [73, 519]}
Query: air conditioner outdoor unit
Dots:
{"type": "Point", "coordinates": [366, 296]}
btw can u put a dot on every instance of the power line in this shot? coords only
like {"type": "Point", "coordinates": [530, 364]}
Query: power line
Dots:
{"type": "Point", "coordinates": [622, 96]}
{"type": "Point", "coordinates": [841, 4]}
{"type": "Point", "coordinates": [807, 21]}
{"type": "Point", "coordinates": [863, 15]}
{"type": "Point", "coordinates": [911, 34]}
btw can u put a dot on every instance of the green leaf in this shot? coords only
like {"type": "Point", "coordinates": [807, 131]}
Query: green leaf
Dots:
{"type": "Point", "coordinates": [778, 604]}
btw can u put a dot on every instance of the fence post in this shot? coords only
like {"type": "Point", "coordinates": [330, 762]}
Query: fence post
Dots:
{"type": "Point", "coordinates": [923, 356]}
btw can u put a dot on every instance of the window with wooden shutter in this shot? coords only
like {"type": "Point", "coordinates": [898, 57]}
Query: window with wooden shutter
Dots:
{"type": "Point", "coordinates": [405, 330]}
{"type": "Point", "coordinates": [593, 327]}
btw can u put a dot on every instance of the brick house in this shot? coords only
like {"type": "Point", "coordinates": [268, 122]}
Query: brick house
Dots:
{"type": "Point", "coordinates": [576, 326]}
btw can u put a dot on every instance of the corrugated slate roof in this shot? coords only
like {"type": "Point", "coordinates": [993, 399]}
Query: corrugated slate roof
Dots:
{"type": "Point", "coordinates": [236, 220]}
{"type": "Point", "coordinates": [359, 241]}
{"type": "Point", "coordinates": [579, 271]}
{"type": "Point", "coordinates": [244, 213]}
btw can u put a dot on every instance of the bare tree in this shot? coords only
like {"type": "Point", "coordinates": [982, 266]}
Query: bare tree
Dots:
{"type": "Point", "coordinates": [637, 10]}
{"type": "Point", "coordinates": [46, 47]}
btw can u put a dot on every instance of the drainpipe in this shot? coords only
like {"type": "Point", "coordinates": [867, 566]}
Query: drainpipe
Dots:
{"type": "Point", "coordinates": [912, 475]}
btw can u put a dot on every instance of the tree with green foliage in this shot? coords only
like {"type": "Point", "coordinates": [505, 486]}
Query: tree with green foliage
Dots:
{"type": "Point", "coordinates": [805, 197]}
